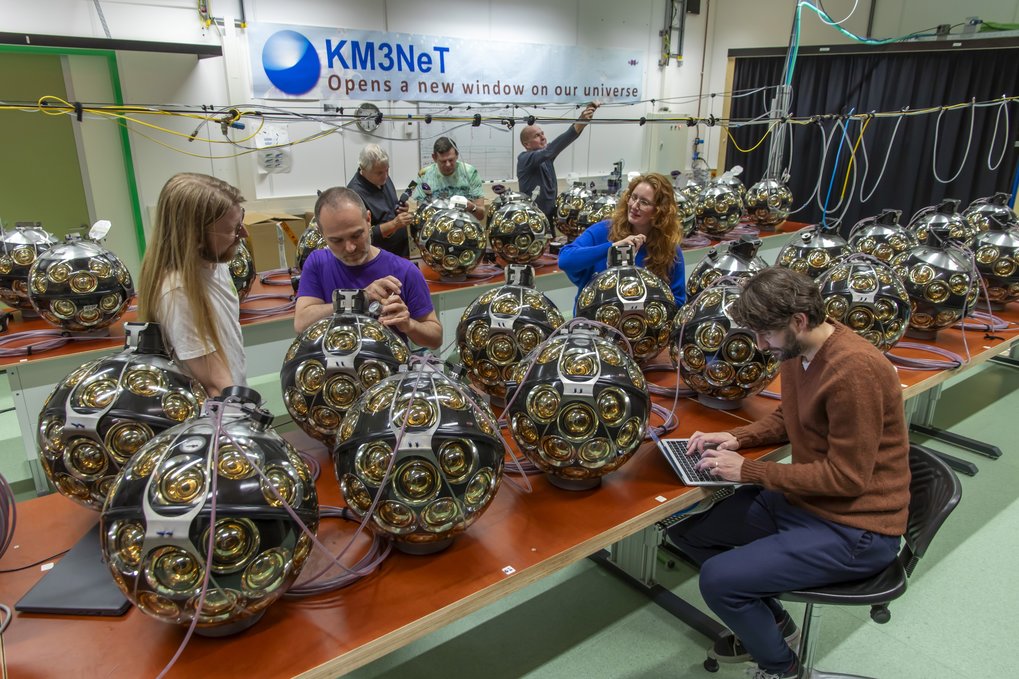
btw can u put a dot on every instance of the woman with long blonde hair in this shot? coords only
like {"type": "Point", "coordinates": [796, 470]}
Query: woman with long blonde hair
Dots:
{"type": "Point", "coordinates": [645, 218]}
{"type": "Point", "coordinates": [185, 284]}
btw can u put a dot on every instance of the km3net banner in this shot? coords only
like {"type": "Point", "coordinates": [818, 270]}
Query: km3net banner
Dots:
{"type": "Point", "coordinates": [300, 62]}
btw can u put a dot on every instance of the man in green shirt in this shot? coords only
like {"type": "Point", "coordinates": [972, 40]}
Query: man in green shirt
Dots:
{"type": "Point", "coordinates": [450, 176]}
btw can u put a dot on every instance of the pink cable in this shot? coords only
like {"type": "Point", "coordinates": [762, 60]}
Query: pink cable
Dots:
{"type": "Point", "coordinates": [906, 363]}
{"type": "Point", "coordinates": [50, 339]}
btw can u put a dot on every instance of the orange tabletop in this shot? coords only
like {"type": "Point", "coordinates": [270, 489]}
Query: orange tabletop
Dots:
{"type": "Point", "coordinates": [534, 534]}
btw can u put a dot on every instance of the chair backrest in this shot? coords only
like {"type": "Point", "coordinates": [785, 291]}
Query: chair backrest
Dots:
{"type": "Point", "coordinates": [934, 492]}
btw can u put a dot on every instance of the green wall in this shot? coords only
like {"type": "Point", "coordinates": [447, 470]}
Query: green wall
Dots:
{"type": "Point", "coordinates": [40, 178]}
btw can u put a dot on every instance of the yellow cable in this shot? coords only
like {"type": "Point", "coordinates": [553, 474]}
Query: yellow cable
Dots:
{"type": "Point", "coordinates": [754, 147]}
{"type": "Point", "coordinates": [852, 157]}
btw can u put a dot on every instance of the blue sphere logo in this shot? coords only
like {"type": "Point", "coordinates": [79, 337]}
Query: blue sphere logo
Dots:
{"type": "Point", "coordinates": [291, 62]}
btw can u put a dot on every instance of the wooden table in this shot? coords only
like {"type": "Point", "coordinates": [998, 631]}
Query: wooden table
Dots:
{"type": "Point", "coordinates": [535, 534]}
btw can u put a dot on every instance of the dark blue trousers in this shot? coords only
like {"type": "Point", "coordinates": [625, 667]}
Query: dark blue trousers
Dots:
{"type": "Point", "coordinates": [755, 545]}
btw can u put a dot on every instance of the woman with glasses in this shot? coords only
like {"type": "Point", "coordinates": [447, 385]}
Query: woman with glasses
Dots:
{"type": "Point", "coordinates": [185, 284]}
{"type": "Point", "coordinates": [646, 218]}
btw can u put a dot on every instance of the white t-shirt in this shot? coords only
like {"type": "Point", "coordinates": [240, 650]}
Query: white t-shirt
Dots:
{"type": "Point", "coordinates": [174, 312]}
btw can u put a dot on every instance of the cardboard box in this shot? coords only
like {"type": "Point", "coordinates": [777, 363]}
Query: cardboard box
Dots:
{"type": "Point", "coordinates": [268, 234]}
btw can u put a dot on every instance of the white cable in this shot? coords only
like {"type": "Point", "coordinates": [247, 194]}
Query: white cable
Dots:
{"type": "Point", "coordinates": [844, 139]}
{"type": "Point", "coordinates": [888, 154]}
{"type": "Point", "coordinates": [102, 18]}
{"type": "Point", "coordinates": [824, 13]}
{"type": "Point", "coordinates": [1004, 142]}
{"type": "Point", "coordinates": [965, 155]}
{"type": "Point", "coordinates": [820, 175]}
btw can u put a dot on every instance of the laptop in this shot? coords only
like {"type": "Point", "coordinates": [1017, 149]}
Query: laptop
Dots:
{"type": "Point", "coordinates": [79, 584]}
{"type": "Point", "coordinates": [674, 451]}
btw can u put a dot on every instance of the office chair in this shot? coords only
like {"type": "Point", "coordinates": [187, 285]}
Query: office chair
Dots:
{"type": "Point", "coordinates": [934, 493]}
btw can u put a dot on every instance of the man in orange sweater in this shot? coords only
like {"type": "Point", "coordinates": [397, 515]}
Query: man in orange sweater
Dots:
{"type": "Point", "coordinates": [834, 514]}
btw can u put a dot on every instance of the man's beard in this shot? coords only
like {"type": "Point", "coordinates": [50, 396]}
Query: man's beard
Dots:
{"type": "Point", "coordinates": [791, 347]}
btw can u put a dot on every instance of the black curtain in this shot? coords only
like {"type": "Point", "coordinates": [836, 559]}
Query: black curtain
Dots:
{"type": "Point", "coordinates": [886, 82]}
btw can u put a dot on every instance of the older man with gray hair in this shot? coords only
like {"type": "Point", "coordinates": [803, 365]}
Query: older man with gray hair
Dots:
{"type": "Point", "coordinates": [389, 219]}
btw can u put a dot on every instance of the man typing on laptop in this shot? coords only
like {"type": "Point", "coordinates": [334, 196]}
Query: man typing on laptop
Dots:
{"type": "Point", "coordinates": [834, 514]}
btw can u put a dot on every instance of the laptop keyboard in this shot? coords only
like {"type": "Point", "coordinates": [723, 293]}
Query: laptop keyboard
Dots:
{"type": "Point", "coordinates": [685, 465]}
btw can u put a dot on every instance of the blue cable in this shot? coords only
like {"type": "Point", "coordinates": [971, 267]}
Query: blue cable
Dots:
{"type": "Point", "coordinates": [1015, 187]}
{"type": "Point", "coordinates": [835, 169]}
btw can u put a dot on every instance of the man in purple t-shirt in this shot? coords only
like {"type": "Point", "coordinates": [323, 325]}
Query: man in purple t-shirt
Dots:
{"type": "Point", "coordinates": [351, 261]}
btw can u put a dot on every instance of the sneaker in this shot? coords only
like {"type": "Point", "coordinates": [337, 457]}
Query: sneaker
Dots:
{"type": "Point", "coordinates": [761, 673]}
{"type": "Point", "coordinates": [731, 649]}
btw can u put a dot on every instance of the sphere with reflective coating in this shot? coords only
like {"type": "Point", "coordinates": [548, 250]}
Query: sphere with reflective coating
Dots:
{"type": "Point", "coordinates": [937, 225]}
{"type": "Point", "coordinates": [979, 212]}
{"type": "Point", "coordinates": [996, 251]}
{"type": "Point", "coordinates": [580, 408]}
{"type": "Point", "coordinates": [499, 328]}
{"type": "Point", "coordinates": [737, 259]}
{"type": "Point", "coordinates": [942, 283]}
{"type": "Point", "coordinates": [597, 208]}
{"type": "Point", "coordinates": [718, 209]}
{"type": "Point", "coordinates": [19, 248]}
{"type": "Point", "coordinates": [634, 300]}
{"type": "Point", "coordinates": [733, 182]}
{"type": "Point", "coordinates": [717, 357]}
{"type": "Point", "coordinates": [693, 187]}
{"type": "Point", "coordinates": [242, 271]}
{"type": "Point", "coordinates": [812, 251]}
{"type": "Point", "coordinates": [518, 231]}
{"type": "Point", "coordinates": [768, 202]}
{"type": "Point", "coordinates": [102, 413]}
{"type": "Point", "coordinates": [865, 294]}
{"type": "Point", "coordinates": [80, 285]}
{"type": "Point", "coordinates": [331, 363]}
{"type": "Point", "coordinates": [155, 527]}
{"type": "Point", "coordinates": [686, 212]}
{"type": "Point", "coordinates": [309, 241]}
{"type": "Point", "coordinates": [452, 243]}
{"type": "Point", "coordinates": [427, 209]}
{"type": "Point", "coordinates": [568, 205]}
{"type": "Point", "coordinates": [442, 473]}
{"type": "Point", "coordinates": [882, 236]}
{"type": "Point", "coordinates": [504, 197]}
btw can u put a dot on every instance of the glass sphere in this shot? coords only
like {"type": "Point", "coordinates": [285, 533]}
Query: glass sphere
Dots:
{"type": "Point", "coordinates": [686, 212]}
{"type": "Point", "coordinates": [19, 248]}
{"type": "Point", "coordinates": [693, 187]}
{"type": "Point", "coordinates": [579, 409]}
{"type": "Point", "coordinates": [427, 209]}
{"type": "Point", "coordinates": [813, 251]}
{"type": "Point", "coordinates": [505, 197]}
{"type": "Point", "coordinates": [331, 363]}
{"type": "Point", "coordinates": [737, 259]}
{"type": "Point", "coordinates": [597, 208]}
{"type": "Point", "coordinates": [634, 300]}
{"type": "Point", "coordinates": [155, 526]}
{"type": "Point", "coordinates": [242, 271]}
{"type": "Point", "coordinates": [309, 241]}
{"type": "Point", "coordinates": [882, 236]}
{"type": "Point", "coordinates": [502, 326]}
{"type": "Point", "coordinates": [939, 224]}
{"type": "Point", "coordinates": [718, 210]}
{"type": "Point", "coordinates": [768, 202]}
{"type": "Point", "coordinates": [942, 284]}
{"type": "Point", "coordinates": [568, 205]}
{"type": "Point", "coordinates": [102, 413]}
{"type": "Point", "coordinates": [518, 231]}
{"type": "Point", "coordinates": [452, 243]}
{"type": "Point", "coordinates": [733, 182]}
{"type": "Point", "coordinates": [80, 285]}
{"type": "Point", "coordinates": [443, 475]}
{"type": "Point", "coordinates": [978, 213]}
{"type": "Point", "coordinates": [866, 295]}
{"type": "Point", "coordinates": [996, 251]}
{"type": "Point", "coordinates": [717, 357]}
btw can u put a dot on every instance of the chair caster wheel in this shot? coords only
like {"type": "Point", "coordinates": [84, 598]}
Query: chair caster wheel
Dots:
{"type": "Point", "coordinates": [711, 665]}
